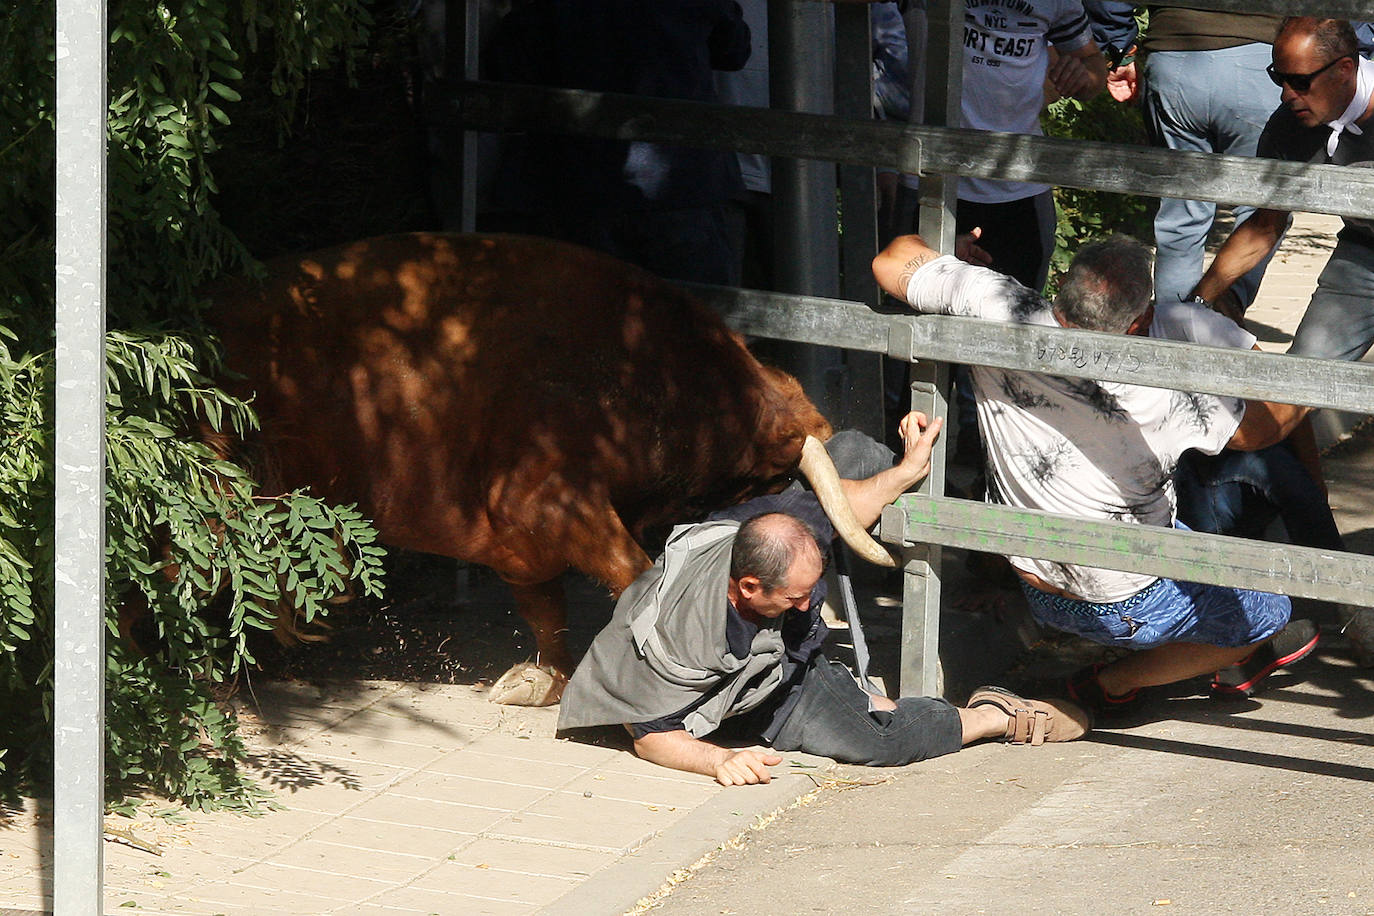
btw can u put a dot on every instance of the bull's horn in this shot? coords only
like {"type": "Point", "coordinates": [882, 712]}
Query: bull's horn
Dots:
{"type": "Point", "coordinates": [820, 472]}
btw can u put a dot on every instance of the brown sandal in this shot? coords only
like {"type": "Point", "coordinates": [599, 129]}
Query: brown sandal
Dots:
{"type": "Point", "coordinates": [1034, 721]}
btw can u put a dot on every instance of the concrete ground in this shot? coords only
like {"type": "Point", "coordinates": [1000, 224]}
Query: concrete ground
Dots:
{"type": "Point", "coordinates": [414, 798]}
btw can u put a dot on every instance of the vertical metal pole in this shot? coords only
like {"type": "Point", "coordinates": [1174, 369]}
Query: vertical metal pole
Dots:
{"type": "Point", "coordinates": [863, 393]}
{"type": "Point", "coordinates": [801, 54]}
{"type": "Point", "coordinates": [919, 674]}
{"type": "Point", "coordinates": [858, 195]}
{"type": "Point", "coordinates": [79, 523]}
{"type": "Point", "coordinates": [943, 64]}
{"type": "Point", "coordinates": [471, 38]}
{"type": "Point", "coordinates": [462, 36]}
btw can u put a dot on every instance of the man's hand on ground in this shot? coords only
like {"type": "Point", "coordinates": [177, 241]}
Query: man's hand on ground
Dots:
{"type": "Point", "coordinates": [681, 751]}
{"type": "Point", "coordinates": [746, 768]}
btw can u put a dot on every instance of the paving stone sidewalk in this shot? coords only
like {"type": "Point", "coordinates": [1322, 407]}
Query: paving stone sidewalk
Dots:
{"type": "Point", "coordinates": [411, 798]}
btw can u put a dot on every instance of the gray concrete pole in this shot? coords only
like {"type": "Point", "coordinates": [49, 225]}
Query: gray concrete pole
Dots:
{"type": "Point", "coordinates": [79, 522]}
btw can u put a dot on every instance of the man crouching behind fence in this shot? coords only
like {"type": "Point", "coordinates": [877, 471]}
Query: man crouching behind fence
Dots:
{"type": "Point", "coordinates": [1107, 450]}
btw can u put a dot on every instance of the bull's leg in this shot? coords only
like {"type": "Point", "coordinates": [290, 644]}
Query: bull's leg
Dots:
{"type": "Point", "coordinates": [541, 682]}
{"type": "Point", "coordinates": [597, 544]}
{"type": "Point", "coordinates": [542, 607]}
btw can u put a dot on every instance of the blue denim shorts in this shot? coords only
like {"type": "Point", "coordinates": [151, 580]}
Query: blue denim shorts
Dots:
{"type": "Point", "coordinates": [1167, 611]}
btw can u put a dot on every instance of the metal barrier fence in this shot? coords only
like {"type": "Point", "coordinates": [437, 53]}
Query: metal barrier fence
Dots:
{"type": "Point", "coordinates": [921, 523]}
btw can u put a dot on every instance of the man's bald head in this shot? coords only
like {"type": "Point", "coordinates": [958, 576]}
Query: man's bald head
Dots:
{"type": "Point", "coordinates": [1332, 38]}
{"type": "Point", "coordinates": [768, 545]}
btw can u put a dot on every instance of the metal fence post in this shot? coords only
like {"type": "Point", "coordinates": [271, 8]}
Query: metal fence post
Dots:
{"type": "Point", "coordinates": [863, 394]}
{"type": "Point", "coordinates": [801, 54]}
{"type": "Point", "coordinates": [79, 522]}
{"type": "Point", "coordinates": [920, 663]}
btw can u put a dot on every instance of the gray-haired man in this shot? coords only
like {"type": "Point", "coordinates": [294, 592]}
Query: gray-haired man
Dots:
{"type": "Point", "coordinates": [1106, 450]}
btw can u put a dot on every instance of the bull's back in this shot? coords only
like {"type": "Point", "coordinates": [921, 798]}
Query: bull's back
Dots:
{"type": "Point", "coordinates": [426, 377]}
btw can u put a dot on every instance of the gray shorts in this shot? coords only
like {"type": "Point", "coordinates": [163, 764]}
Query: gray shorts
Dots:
{"type": "Point", "coordinates": [1339, 321]}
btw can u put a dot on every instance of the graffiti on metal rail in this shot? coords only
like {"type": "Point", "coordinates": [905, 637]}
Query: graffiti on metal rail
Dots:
{"type": "Point", "coordinates": [1086, 359]}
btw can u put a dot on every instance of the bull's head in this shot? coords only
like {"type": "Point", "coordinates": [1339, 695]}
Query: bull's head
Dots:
{"type": "Point", "coordinates": [806, 431]}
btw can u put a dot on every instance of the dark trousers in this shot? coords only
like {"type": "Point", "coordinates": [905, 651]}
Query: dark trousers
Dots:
{"type": "Point", "coordinates": [1240, 493]}
{"type": "Point", "coordinates": [831, 719]}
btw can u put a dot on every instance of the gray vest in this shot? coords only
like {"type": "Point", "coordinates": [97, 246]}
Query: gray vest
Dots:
{"type": "Point", "coordinates": [665, 647]}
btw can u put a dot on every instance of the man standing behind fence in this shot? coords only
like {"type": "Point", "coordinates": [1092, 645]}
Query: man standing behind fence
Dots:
{"type": "Point", "coordinates": [658, 205]}
{"type": "Point", "coordinates": [1106, 450]}
{"type": "Point", "coordinates": [1202, 88]}
{"type": "Point", "coordinates": [1325, 117]}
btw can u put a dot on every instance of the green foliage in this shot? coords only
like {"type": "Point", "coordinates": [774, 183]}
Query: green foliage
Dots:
{"type": "Point", "coordinates": [25, 495]}
{"type": "Point", "coordinates": [1085, 214]}
{"type": "Point", "coordinates": [182, 523]}
{"type": "Point", "coordinates": [173, 72]}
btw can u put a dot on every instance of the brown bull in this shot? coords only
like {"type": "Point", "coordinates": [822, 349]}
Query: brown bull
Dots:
{"type": "Point", "coordinates": [516, 402]}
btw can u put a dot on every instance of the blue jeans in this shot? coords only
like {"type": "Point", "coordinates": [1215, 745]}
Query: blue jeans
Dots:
{"type": "Point", "coordinates": [1240, 493]}
{"type": "Point", "coordinates": [1206, 101]}
{"type": "Point", "coordinates": [1167, 611]}
{"type": "Point", "coordinates": [1339, 321]}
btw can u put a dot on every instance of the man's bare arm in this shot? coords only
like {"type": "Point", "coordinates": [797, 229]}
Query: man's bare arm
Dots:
{"type": "Point", "coordinates": [680, 751]}
{"type": "Point", "coordinates": [895, 265]}
{"type": "Point", "coordinates": [1303, 442]}
{"type": "Point", "coordinates": [867, 497]}
{"type": "Point", "coordinates": [1266, 423]}
{"type": "Point", "coordinates": [1247, 245]}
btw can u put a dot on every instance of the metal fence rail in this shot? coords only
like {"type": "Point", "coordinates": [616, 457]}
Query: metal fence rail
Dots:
{"type": "Point", "coordinates": [1184, 555]}
{"type": "Point", "coordinates": [923, 523]}
{"type": "Point", "coordinates": [1116, 167]}
{"type": "Point", "coordinates": [1080, 354]}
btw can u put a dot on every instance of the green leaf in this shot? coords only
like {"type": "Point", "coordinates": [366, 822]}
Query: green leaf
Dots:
{"type": "Point", "coordinates": [225, 92]}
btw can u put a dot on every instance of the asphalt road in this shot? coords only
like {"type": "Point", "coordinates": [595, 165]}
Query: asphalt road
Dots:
{"type": "Point", "coordinates": [1204, 807]}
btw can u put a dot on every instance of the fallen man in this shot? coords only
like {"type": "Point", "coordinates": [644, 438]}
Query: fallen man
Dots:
{"type": "Point", "coordinates": [723, 635]}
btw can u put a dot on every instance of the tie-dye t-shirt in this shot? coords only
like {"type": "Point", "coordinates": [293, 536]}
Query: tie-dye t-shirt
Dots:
{"type": "Point", "coordinates": [1099, 450]}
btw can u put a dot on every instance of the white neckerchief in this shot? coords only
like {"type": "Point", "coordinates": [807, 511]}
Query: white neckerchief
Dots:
{"type": "Point", "coordinates": [1364, 88]}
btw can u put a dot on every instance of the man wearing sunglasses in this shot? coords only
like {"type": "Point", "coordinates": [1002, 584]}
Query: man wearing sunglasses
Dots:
{"type": "Point", "coordinates": [1327, 99]}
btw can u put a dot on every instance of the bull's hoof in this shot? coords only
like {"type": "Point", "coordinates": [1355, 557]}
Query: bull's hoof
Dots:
{"type": "Point", "coordinates": [528, 684]}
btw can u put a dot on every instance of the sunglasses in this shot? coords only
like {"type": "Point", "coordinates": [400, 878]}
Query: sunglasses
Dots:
{"type": "Point", "coordinates": [1300, 82]}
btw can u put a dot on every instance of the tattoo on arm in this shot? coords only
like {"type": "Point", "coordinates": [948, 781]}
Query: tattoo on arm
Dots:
{"type": "Point", "coordinates": [910, 267]}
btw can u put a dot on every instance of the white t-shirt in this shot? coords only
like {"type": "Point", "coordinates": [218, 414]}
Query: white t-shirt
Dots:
{"type": "Point", "coordinates": [1192, 322]}
{"type": "Point", "coordinates": [1098, 450]}
{"type": "Point", "coordinates": [1006, 56]}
